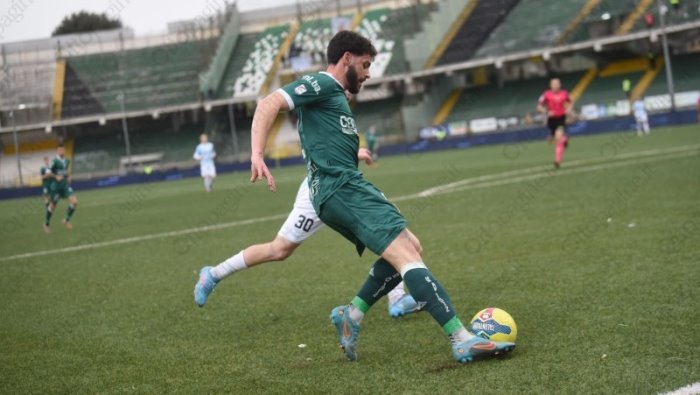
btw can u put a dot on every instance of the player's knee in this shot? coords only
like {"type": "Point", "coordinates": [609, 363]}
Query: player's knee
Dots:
{"type": "Point", "coordinates": [282, 249]}
{"type": "Point", "coordinates": [415, 242]}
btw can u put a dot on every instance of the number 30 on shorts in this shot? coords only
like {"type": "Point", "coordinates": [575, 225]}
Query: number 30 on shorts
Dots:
{"type": "Point", "coordinates": [304, 223]}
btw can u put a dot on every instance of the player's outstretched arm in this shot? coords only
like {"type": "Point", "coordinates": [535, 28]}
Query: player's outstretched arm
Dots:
{"type": "Point", "coordinates": [264, 117]}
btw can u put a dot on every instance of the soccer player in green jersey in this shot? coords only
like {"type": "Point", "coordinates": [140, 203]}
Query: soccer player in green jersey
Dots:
{"type": "Point", "coordinates": [46, 180]}
{"type": "Point", "coordinates": [351, 205]}
{"type": "Point", "coordinates": [60, 188]}
{"type": "Point", "coordinates": [372, 139]}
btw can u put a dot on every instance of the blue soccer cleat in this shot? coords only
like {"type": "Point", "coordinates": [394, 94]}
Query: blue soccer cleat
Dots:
{"type": "Point", "coordinates": [404, 306]}
{"type": "Point", "coordinates": [347, 329]}
{"type": "Point", "coordinates": [204, 286]}
{"type": "Point", "coordinates": [478, 347]}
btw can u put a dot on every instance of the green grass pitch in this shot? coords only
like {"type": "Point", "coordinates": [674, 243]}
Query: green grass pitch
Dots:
{"type": "Point", "coordinates": [599, 264]}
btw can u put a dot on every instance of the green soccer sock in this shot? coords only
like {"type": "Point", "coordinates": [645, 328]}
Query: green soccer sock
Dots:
{"type": "Point", "coordinates": [49, 213]}
{"type": "Point", "coordinates": [425, 289]}
{"type": "Point", "coordinates": [382, 279]}
{"type": "Point", "coordinates": [70, 211]}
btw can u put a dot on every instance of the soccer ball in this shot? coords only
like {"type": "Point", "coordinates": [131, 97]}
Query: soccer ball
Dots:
{"type": "Point", "coordinates": [494, 324]}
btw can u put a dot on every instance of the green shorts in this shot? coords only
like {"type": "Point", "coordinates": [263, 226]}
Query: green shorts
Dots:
{"type": "Point", "coordinates": [362, 214]}
{"type": "Point", "coordinates": [60, 191]}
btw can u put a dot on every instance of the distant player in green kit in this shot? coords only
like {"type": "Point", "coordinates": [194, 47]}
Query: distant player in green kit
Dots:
{"type": "Point", "coordinates": [351, 205]}
{"type": "Point", "coordinates": [60, 188]}
{"type": "Point", "coordinates": [46, 180]}
{"type": "Point", "coordinates": [372, 140]}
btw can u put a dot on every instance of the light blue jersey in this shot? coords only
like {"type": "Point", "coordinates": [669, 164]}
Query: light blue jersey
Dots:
{"type": "Point", "coordinates": [205, 154]}
{"type": "Point", "coordinates": [639, 110]}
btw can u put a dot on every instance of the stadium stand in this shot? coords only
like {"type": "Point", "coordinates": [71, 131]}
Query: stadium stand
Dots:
{"type": "Point", "coordinates": [26, 78]}
{"type": "Point", "coordinates": [514, 99]}
{"type": "Point", "coordinates": [685, 75]}
{"type": "Point", "coordinates": [259, 59]}
{"type": "Point", "coordinates": [164, 78]}
{"type": "Point", "coordinates": [31, 154]}
{"type": "Point", "coordinates": [687, 11]}
{"type": "Point", "coordinates": [372, 26]}
{"type": "Point", "coordinates": [604, 20]}
{"type": "Point", "coordinates": [396, 26]}
{"type": "Point", "coordinates": [486, 15]}
{"type": "Point", "coordinates": [384, 114]}
{"type": "Point", "coordinates": [148, 78]}
{"type": "Point", "coordinates": [421, 46]}
{"type": "Point", "coordinates": [244, 47]}
{"type": "Point", "coordinates": [101, 152]}
{"type": "Point", "coordinates": [608, 89]}
{"type": "Point", "coordinates": [531, 24]}
{"type": "Point", "coordinates": [210, 80]}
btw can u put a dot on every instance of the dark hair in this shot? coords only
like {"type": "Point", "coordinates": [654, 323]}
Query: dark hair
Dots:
{"type": "Point", "coordinates": [347, 41]}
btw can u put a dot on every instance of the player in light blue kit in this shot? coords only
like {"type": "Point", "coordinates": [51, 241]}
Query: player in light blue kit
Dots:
{"type": "Point", "coordinates": [205, 154]}
{"type": "Point", "coordinates": [641, 117]}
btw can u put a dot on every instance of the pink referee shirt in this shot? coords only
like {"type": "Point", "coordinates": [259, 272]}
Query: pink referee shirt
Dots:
{"type": "Point", "coordinates": [555, 102]}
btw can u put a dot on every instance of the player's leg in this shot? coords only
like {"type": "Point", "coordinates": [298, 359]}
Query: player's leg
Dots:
{"type": "Point", "coordinates": [72, 206]}
{"type": "Point", "coordinates": [45, 195]}
{"type": "Point", "coordinates": [552, 126]}
{"type": "Point", "coordinates": [645, 125]}
{"type": "Point", "coordinates": [278, 249]}
{"type": "Point", "coordinates": [53, 201]}
{"type": "Point", "coordinates": [428, 292]}
{"type": "Point", "coordinates": [561, 142]}
{"type": "Point", "coordinates": [301, 223]}
{"type": "Point", "coordinates": [400, 302]}
{"type": "Point", "coordinates": [369, 219]}
{"type": "Point", "coordinates": [212, 177]}
{"type": "Point", "coordinates": [639, 126]}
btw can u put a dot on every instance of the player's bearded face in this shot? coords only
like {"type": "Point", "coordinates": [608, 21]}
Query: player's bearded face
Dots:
{"type": "Point", "coordinates": [353, 80]}
{"type": "Point", "coordinates": [358, 72]}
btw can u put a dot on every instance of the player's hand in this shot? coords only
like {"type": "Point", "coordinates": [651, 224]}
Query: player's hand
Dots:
{"type": "Point", "coordinates": [259, 170]}
{"type": "Point", "coordinates": [59, 178]}
{"type": "Point", "coordinates": [363, 154]}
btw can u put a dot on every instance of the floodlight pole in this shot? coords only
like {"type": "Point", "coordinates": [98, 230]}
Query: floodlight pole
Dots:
{"type": "Point", "coordinates": [125, 129]}
{"type": "Point", "coordinates": [16, 141]}
{"type": "Point", "coordinates": [667, 58]}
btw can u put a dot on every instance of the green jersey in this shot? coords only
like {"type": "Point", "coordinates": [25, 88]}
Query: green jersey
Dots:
{"type": "Point", "coordinates": [328, 134]}
{"type": "Point", "coordinates": [371, 139]}
{"type": "Point", "coordinates": [59, 167]}
{"type": "Point", "coordinates": [45, 182]}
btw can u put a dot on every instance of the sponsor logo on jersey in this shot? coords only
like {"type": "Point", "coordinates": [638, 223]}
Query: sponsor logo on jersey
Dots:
{"type": "Point", "coordinates": [312, 81]}
{"type": "Point", "coordinates": [347, 125]}
{"type": "Point", "coordinates": [300, 90]}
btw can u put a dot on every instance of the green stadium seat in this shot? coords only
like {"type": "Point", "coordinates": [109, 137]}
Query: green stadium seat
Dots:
{"type": "Point", "coordinates": [531, 24]}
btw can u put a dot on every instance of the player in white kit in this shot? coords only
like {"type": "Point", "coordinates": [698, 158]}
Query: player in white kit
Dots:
{"type": "Point", "coordinates": [640, 115]}
{"type": "Point", "coordinates": [205, 154]}
{"type": "Point", "coordinates": [301, 224]}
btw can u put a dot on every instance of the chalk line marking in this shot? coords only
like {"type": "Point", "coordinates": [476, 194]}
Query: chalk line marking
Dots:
{"type": "Point", "coordinates": [458, 186]}
{"type": "Point", "coordinates": [690, 389]}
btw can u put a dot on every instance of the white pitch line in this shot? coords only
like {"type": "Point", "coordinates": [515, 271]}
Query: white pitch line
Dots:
{"type": "Point", "coordinates": [143, 238]}
{"type": "Point", "coordinates": [543, 172]}
{"type": "Point", "coordinates": [459, 186]}
{"type": "Point", "coordinates": [572, 171]}
{"type": "Point", "coordinates": [575, 163]}
{"type": "Point", "coordinates": [690, 389]}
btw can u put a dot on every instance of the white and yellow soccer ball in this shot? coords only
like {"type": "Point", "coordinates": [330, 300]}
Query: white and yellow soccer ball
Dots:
{"type": "Point", "coordinates": [494, 324]}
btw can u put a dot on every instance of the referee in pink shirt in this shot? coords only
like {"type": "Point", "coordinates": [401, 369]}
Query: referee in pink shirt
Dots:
{"type": "Point", "coordinates": [555, 103]}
